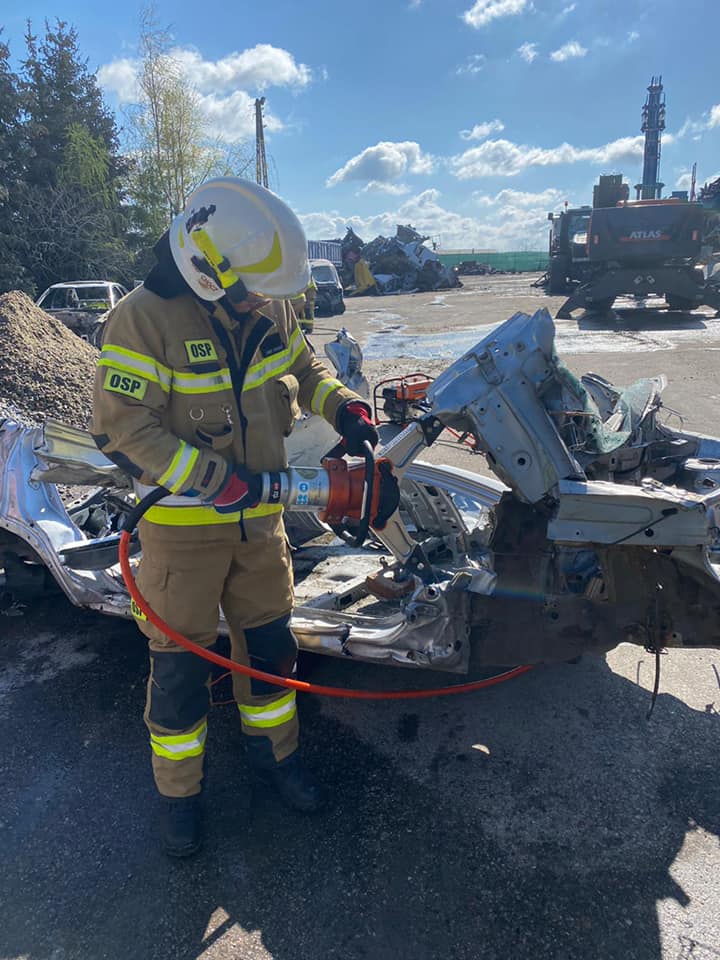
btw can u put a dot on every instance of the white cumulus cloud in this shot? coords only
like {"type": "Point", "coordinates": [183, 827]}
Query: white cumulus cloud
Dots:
{"type": "Point", "coordinates": [121, 78]}
{"type": "Point", "coordinates": [223, 85]}
{"type": "Point", "coordinates": [521, 198]}
{"type": "Point", "coordinates": [482, 130]}
{"type": "Point", "coordinates": [474, 64]}
{"type": "Point", "coordinates": [708, 120]}
{"type": "Point", "coordinates": [232, 118]}
{"type": "Point", "coordinates": [392, 189]}
{"type": "Point", "coordinates": [568, 51]}
{"type": "Point", "coordinates": [258, 68]}
{"type": "Point", "coordinates": [384, 162]}
{"type": "Point", "coordinates": [684, 180]}
{"type": "Point", "coordinates": [507, 159]}
{"type": "Point", "coordinates": [528, 51]}
{"type": "Point", "coordinates": [483, 12]}
{"type": "Point", "coordinates": [509, 220]}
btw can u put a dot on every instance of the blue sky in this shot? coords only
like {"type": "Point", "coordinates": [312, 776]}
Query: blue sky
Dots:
{"type": "Point", "coordinates": [468, 118]}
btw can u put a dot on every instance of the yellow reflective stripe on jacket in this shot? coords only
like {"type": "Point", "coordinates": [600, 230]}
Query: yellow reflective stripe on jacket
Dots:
{"type": "Point", "coordinates": [205, 516]}
{"type": "Point", "coordinates": [180, 746]}
{"type": "Point", "coordinates": [278, 363]}
{"type": "Point", "coordinates": [138, 363]}
{"type": "Point", "coordinates": [322, 392]}
{"type": "Point", "coordinates": [271, 715]}
{"type": "Point", "coordinates": [180, 467]}
{"type": "Point", "coordinates": [201, 382]}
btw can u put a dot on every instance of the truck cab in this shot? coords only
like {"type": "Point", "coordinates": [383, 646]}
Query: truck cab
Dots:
{"type": "Point", "coordinates": [568, 247]}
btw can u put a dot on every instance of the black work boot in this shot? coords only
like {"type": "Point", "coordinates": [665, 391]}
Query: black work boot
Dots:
{"type": "Point", "coordinates": [180, 825]}
{"type": "Point", "coordinates": [297, 787]}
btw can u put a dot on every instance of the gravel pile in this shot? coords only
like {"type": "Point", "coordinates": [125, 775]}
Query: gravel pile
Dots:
{"type": "Point", "coordinates": [45, 369]}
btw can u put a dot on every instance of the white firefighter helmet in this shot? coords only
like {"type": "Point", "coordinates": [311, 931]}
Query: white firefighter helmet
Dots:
{"type": "Point", "coordinates": [236, 237]}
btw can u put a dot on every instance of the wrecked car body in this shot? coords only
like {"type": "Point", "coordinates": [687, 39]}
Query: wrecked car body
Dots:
{"type": "Point", "coordinates": [600, 526]}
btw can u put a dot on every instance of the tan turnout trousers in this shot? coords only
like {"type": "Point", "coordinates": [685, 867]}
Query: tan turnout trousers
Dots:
{"type": "Point", "coordinates": [185, 581]}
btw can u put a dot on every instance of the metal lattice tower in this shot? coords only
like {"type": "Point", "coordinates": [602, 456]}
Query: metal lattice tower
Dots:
{"type": "Point", "coordinates": [653, 124]}
{"type": "Point", "coordinates": [261, 171]}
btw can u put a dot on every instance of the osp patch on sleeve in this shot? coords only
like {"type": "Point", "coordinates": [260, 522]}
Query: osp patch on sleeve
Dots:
{"type": "Point", "coordinates": [129, 384]}
{"type": "Point", "coordinates": [200, 351]}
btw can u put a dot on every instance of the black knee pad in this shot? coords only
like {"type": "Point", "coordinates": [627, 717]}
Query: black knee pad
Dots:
{"type": "Point", "coordinates": [272, 648]}
{"type": "Point", "coordinates": [179, 697]}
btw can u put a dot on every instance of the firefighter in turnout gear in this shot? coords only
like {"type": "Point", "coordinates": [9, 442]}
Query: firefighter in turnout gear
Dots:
{"type": "Point", "coordinates": [195, 391]}
{"type": "Point", "coordinates": [307, 321]}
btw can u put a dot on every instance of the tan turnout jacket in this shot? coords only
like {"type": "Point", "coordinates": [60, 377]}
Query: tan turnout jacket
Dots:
{"type": "Point", "coordinates": [166, 409]}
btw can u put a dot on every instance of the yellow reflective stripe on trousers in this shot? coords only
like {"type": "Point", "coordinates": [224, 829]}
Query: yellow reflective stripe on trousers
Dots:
{"type": "Point", "coordinates": [322, 392]}
{"type": "Point", "coordinates": [201, 382]}
{"type": "Point", "coordinates": [180, 746]}
{"type": "Point", "coordinates": [205, 516]}
{"type": "Point", "coordinates": [278, 363]}
{"type": "Point", "coordinates": [272, 715]}
{"type": "Point", "coordinates": [138, 363]}
{"type": "Point", "coordinates": [180, 467]}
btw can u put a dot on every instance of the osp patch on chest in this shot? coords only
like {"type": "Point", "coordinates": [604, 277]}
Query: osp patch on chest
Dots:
{"type": "Point", "coordinates": [200, 351]}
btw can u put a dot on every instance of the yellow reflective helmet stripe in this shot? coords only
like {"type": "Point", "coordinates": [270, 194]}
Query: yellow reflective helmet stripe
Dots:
{"type": "Point", "coordinates": [201, 382]}
{"type": "Point", "coordinates": [227, 274]}
{"type": "Point", "coordinates": [273, 261]}
{"type": "Point", "coordinates": [271, 715]}
{"type": "Point", "coordinates": [179, 516]}
{"type": "Point", "coordinates": [220, 263]}
{"type": "Point", "coordinates": [180, 467]}
{"type": "Point", "coordinates": [138, 363]}
{"type": "Point", "coordinates": [278, 363]}
{"type": "Point", "coordinates": [322, 392]}
{"type": "Point", "coordinates": [180, 746]}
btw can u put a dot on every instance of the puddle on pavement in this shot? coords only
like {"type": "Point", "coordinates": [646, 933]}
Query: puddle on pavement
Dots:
{"type": "Point", "coordinates": [445, 345]}
{"type": "Point", "coordinates": [451, 344]}
{"type": "Point", "coordinates": [384, 319]}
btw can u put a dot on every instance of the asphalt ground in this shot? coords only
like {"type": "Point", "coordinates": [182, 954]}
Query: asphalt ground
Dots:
{"type": "Point", "coordinates": [544, 818]}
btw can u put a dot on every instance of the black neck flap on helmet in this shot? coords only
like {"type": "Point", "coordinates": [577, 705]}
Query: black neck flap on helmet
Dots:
{"type": "Point", "coordinates": [165, 279]}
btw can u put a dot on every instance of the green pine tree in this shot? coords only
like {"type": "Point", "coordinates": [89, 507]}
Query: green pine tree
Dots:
{"type": "Point", "coordinates": [75, 225]}
{"type": "Point", "coordinates": [13, 273]}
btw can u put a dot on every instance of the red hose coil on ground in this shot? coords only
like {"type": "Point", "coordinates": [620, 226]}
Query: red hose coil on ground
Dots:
{"type": "Point", "coordinates": [287, 682]}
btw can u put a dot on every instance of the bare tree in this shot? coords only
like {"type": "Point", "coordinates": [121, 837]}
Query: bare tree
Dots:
{"type": "Point", "coordinates": [173, 149]}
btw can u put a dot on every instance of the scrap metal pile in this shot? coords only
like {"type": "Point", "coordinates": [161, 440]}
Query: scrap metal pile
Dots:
{"type": "Point", "coordinates": [399, 264]}
{"type": "Point", "coordinates": [709, 197]}
{"type": "Point", "coordinates": [476, 268]}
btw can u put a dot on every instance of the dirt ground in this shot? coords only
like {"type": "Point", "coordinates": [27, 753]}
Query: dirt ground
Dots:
{"type": "Point", "coordinates": [540, 819]}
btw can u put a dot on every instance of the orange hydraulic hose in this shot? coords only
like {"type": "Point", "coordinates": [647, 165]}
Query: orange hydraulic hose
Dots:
{"type": "Point", "coordinates": [290, 684]}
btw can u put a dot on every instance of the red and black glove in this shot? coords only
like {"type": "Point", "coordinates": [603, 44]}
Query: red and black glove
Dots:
{"type": "Point", "coordinates": [355, 426]}
{"type": "Point", "coordinates": [241, 490]}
